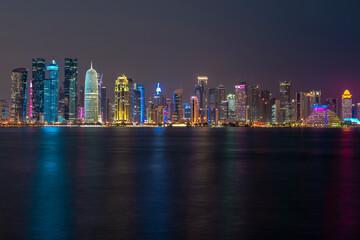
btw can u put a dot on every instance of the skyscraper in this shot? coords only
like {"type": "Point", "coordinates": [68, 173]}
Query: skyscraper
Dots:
{"type": "Point", "coordinates": [346, 105]}
{"type": "Point", "coordinates": [177, 110]}
{"type": "Point", "coordinates": [220, 98]}
{"type": "Point", "coordinates": [240, 102]}
{"type": "Point", "coordinates": [231, 106]}
{"type": "Point", "coordinates": [37, 85]}
{"type": "Point", "coordinates": [51, 93]}
{"type": "Point", "coordinates": [141, 88]}
{"type": "Point", "coordinates": [103, 107]}
{"type": "Point", "coordinates": [284, 99]}
{"type": "Point", "coordinates": [3, 110]}
{"type": "Point", "coordinates": [70, 89]}
{"type": "Point", "coordinates": [201, 92]}
{"type": "Point", "coordinates": [18, 95]}
{"type": "Point", "coordinates": [254, 102]}
{"type": "Point", "coordinates": [91, 96]}
{"type": "Point", "coordinates": [122, 100]}
{"type": "Point", "coordinates": [194, 108]}
{"type": "Point", "coordinates": [264, 107]}
{"type": "Point", "coordinates": [302, 106]}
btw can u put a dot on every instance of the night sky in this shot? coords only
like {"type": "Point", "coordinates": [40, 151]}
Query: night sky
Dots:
{"type": "Point", "coordinates": [313, 44]}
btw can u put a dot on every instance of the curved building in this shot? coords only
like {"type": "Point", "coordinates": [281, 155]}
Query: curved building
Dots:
{"type": "Point", "coordinates": [91, 96]}
{"type": "Point", "coordinates": [322, 116]}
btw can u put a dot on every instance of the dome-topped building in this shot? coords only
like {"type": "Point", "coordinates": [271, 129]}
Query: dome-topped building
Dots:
{"type": "Point", "coordinates": [322, 116]}
{"type": "Point", "coordinates": [91, 96]}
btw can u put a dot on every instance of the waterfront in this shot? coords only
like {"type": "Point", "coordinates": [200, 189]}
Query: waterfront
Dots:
{"type": "Point", "coordinates": [179, 183]}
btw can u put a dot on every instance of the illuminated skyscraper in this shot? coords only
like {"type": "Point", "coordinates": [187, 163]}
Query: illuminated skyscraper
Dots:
{"type": "Point", "coordinates": [51, 93]}
{"type": "Point", "coordinates": [18, 95]}
{"type": "Point", "coordinates": [284, 100]}
{"type": "Point", "coordinates": [201, 92]}
{"type": "Point", "coordinates": [220, 98]}
{"type": "Point", "coordinates": [240, 102]}
{"type": "Point", "coordinates": [264, 107]}
{"type": "Point", "coordinates": [194, 108]}
{"type": "Point", "coordinates": [231, 115]}
{"type": "Point", "coordinates": [315, 97]}
{"type": "Point", "coordinates": [70, 89]}
{"type": "Point", "coordinates": [103, 106]}
{"type": "Point", "coordinates": [346, 105]}
{"type": "Point", "coordinates": [142, 113]}
{"type": "Point", "coordinates": [302, 106]}
{"type": "Point", "coordinates": [37, 85]}
{"type": "Point", "coordinates": [122, 100]}
{"type": "Point", "coordinates": [177, 111]}
{"type": "Point", "coordinates": [91, 96]}
{"type": "Point", "coordinates": [3, 110]}
{"type": "Point", "coordinates": [254, 102]}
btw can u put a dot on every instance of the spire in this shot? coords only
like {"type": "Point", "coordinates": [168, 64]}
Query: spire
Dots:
{"type": "Point", "coordinates": [91, 65]}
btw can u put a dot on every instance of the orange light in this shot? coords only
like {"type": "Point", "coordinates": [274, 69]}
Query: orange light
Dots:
{"type": "Point", "coordinates": [346, 94]}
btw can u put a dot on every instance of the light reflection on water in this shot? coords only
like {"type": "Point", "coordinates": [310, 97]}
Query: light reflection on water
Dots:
{"type": "Point", "coordinates": [171, 183]}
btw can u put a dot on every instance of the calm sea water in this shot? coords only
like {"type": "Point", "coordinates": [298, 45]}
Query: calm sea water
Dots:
{"type": "Point", "coordinates": [179, 183]}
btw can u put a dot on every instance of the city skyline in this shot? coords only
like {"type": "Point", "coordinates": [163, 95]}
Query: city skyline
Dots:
{"type": "Point", "coordinates": [312, 44]}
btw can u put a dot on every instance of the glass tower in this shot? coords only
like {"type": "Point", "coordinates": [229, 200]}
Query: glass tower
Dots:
{"type": "Point", "coordinates": [91, 96]}
{"type": "Point", "coordinates": [70, 89]}
{"type": "Point", "coordinates": [51, 93]}
{"type": "Point", "coordinates": [18, 95]}
{"type": "Point", "coordinates": [37, 85]}
{"type": "Point", "coordinates": [240, 102]}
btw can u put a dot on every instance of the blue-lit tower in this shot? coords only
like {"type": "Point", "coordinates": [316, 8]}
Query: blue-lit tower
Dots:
{"type": "Point", "coordinates": [141, 88]}
{"type": "Point", "coordinates": [51, 93]}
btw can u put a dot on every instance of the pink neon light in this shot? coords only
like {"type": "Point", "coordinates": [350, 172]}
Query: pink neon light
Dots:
{"type": "Point", "coordinates": [240, 86]}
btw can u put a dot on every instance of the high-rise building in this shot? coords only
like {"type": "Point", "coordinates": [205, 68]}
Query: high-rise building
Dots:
{"type": "Point", "coordinates": [177, 110]}
{"type": "Point", "coordinates": [136, 104]}
{"type": "Point", "coordinates": [254, 102]}
{"type": "Point", "coordinates": [70, 89]}
{"type": "Point", "coordinates": [315, 97]}
{"type": "Point", "coordinates": [91, 96]}
{"type": "Point", "coordinates": [100, 82]}
{"type": "Point", "coordinates": [333, 104]}
{"type": "Point", "coordinates": [169, 109]}
{"type": "Point", "coordinates": [81, 104]}
{"type": "Point", "coordinates": [276, 115]}
{"type": "Point", "coordinates": [194, 108]}
{"type": "Point", "coordinates": [142, 113]}
{"type": "Point", "coordinates": [18, 95]}
{"type": "Point", "coordinates": [37, 85]}
{"type": "Point", "coordinates": [3, 110]}
{"type": "Point", "coordinates": [61, 103]}
{"type": "Point", "coordinates": [284, 99]}
{"type": "Point", "coordinates": [346, 105]}
{"type": "Point", "coordinates": [240, 102]}
{"type": "Point", "coordinates": [220, 98]}
{"type": "Point", "coordinates": [186, 112]}
{"type": "Point", "coordinates": [201, 92]}
{"type": "Point", "coordinates": [358, 110]}
{"type": "Point", "coordinates": [212, 109]}
{"type": "Point", "coordinates": [231, 99]}
{"type": "Point", "coordinates": [302, 106]}
{"type": "Point", "coordinates": [122, 100]}
{"type": "Point", "coordinates": [103, 108]}
{"type": "Point", "coordinates": [51, 93]}
{"type": "Point", "coordinates": [159, 97]}
{"type": "Point", "coordinates": [264, 107]}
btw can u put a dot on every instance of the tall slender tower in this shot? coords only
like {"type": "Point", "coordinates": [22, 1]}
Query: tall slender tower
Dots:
{"type": "Point", "coordinates": [51, 93]}
{"type": "Point", "coordinates": [70, 89]}
{"type": "Point", "coordinates": [18, 95]}
{"type": "Point", "coordinates": [37, 88]}
{"type": "Point", "coordinates": [91, 96]}
{"type": "Point", "coordinates": [122, 100]}
{"type": "Point", "coordinates": [240, 102]}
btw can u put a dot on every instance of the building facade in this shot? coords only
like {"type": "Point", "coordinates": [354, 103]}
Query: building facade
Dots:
{"type": "Point", "coordinates": [19, 78]}
{"type": "Point", "coordinates": [91, 94]}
